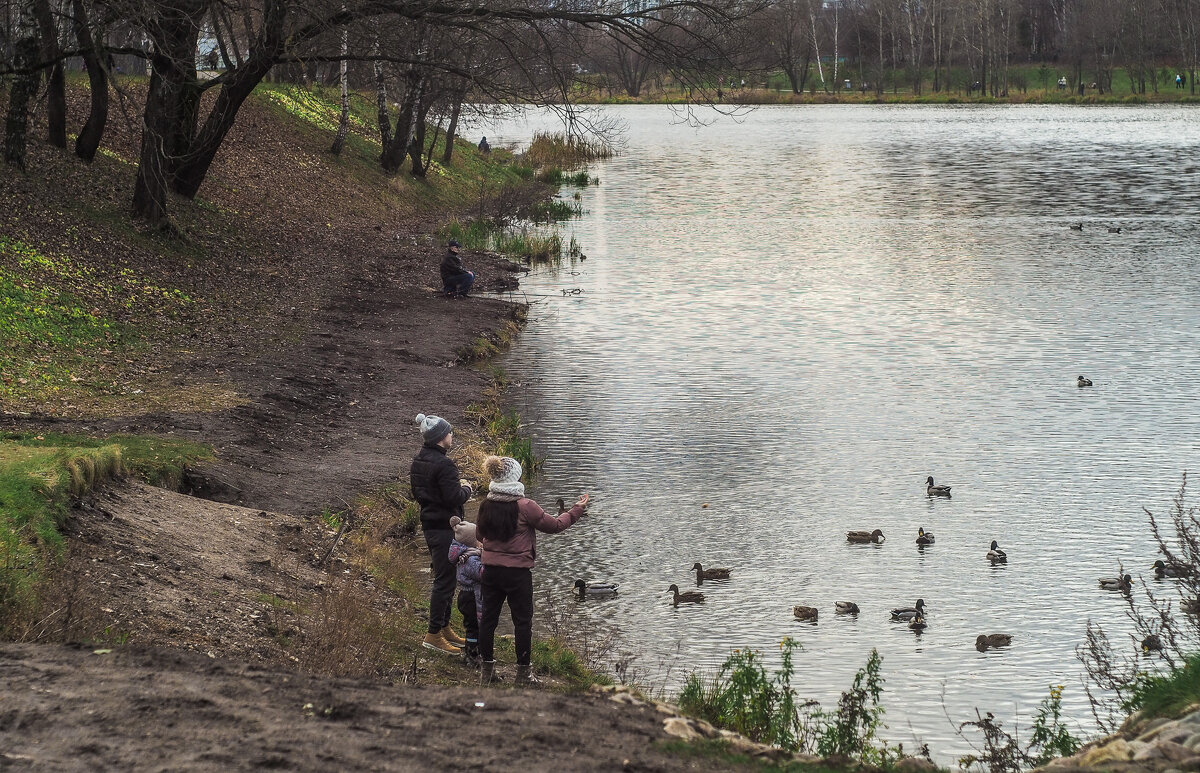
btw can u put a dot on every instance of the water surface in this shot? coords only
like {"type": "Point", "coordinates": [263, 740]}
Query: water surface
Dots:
{"type": "Point", "coordinates": [787, 322]}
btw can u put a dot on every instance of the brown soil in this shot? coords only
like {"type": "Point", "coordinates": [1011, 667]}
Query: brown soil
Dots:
{"type": "Point", "coordinates": [69, 709]}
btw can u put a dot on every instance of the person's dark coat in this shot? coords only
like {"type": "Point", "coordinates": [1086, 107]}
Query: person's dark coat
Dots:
{"type": "Point", "coordinates": [435, 485]}
{"type": "Point", "coordinates": [453, 268]}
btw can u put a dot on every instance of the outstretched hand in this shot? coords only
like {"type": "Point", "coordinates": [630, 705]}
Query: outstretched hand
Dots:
{"type": "Point", "coordinates": [582, 501]}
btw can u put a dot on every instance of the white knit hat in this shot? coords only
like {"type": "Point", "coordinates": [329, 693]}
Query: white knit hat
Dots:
{"type": "Point", "coordinates": [505, 473]}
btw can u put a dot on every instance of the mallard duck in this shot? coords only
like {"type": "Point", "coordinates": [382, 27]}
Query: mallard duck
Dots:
{"type": "Point", "coordinates": [691, 597]}
{"type": "Point", "coordinates": [1083, 382]}
{"type": "Point", "coordinates": [805, 613]}
{"type": "Point", "coordinates": [709, 574]}
{"type": "Point", "coordinates": [1151, 644]}
{"type": "Point", "coordinates": [908, 613]}
{"type": "Point", "coordinates": [1191, 606]}
{"type": "Point", "coordinates": [1076, 226]}
{"type": "Point", "coordinates": [865, 536]}
{"type": "Point", "coordinates": [996, 555]}
{"type": "Point", "coordinates": [1122, 583]}
{"type": "Point", "coordinates": [1114, 229]}
{"type": "Point", "coordinates": [562, 506]}
{"type": "Point", "coordinates": [936, 491]}
{"type": "Point", "coordinates": [917, 624]}
{"type": "Point", "coordinates": [845, 607]}
{"type": "Point", "coordinates": [987, 640]}
{"type": "Point", "coordinates": [1163, 569]}
{"type": "Point", "coordinates": [924, 537]}
{"type": "Point", "coordinates": [596, 589]}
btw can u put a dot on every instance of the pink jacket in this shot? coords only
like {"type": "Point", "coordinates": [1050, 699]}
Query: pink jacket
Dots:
{"type": "Point", "coordinates": [521, 550]}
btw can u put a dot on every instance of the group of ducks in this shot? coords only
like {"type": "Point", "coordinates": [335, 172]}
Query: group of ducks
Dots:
{"type": "Point", "coordinates": [914, 616]}
{"type": "Point", "coordinates": [1112, 229]}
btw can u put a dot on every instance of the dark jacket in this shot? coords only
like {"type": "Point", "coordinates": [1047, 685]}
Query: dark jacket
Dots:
{"type": "Point", "coordinates": [434, 479]}
{"type": "Point", "coordinates": [452, 267]}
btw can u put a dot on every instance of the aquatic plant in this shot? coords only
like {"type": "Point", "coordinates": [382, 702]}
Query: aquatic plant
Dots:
{"type": "Point", "coordinates": [565, 151]}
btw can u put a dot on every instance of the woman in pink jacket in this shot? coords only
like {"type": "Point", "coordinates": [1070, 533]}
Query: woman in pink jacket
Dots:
{"type": "Point", "coordinates": [507, 526]}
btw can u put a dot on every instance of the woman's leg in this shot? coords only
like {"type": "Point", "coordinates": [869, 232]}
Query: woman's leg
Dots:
{"type": "Point", "coordinates": [520, 605]}
{"type": "Point", "coordinates": [493, 598]}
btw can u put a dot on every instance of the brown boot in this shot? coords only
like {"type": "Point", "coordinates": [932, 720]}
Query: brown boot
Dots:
{"type": "Point", "coordinates": [435, 641]}
{"type": "Point", "coordinates": [449, 635]}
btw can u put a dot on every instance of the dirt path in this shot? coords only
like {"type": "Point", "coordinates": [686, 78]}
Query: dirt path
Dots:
{"type": "Point", "coordinates": [67, 709]}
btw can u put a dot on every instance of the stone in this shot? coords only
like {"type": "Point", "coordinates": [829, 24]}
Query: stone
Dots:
{"type": "Point", "coordinates": [1175, 752]}
{"type": "Point", "coordinates": [1147, 753]}
{"type": "Point", "coordinates": [1177, 734]}
{"type": "Point", "coordinates": [1156, 728]}
{"type": "Point", "coordinates": [1192, 741]}
{"type": "Point", "coordinates": [1114, 751]}
{"type": "Point", "coordinates": [915, 765]}
{"type": "Point", "coordinates": [804, 758]}
{"type": "Point", "coordinates": [680, 728]}
{"type": "Point", "coordinates": [1151, 726]}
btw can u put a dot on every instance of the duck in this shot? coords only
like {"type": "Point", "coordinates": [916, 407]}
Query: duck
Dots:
{"type": "Point", "coordinates": [596, 589]}
{"type": "Point", "coordinates": [805, 613]}
{"type": "Point", "coordinates": [1163, 569]}
{"type": "Point", "coordinates": [709, 574]}
{"type": "Point", "coordinates": [865, 536]}
{"type": "Point", "coordinates": [988, 640]}
{"type": "Point", "coordinates": [1122, 583]}
{"type": "Point", "coordinates": [996, 555]}
{"type": "Point", "coordinates": [691, 597]}
{"type": "Point", "coordinates": [1076, 226]}
{"type": "Point", "coordinates": [562, 506]}
{"type": "Point", "coordinates": [845, 607]}
{"type": "Point", "coordinates": [1152, 644]}
{"type": "Point", "coordinates": [908, 613]}
{"type": "Point", "coordinates": [1191, 606]}
{"type": "Point", "coordinates": [924, 537]}
{"type": "Point", "coordinates": [936, 491]}
{"type": "Point", "coordinates": [1114, 229]}
{"type": "Point", "coordinates": [1080, 381]}
{"type": "Point", "coordinates": [917, 624]}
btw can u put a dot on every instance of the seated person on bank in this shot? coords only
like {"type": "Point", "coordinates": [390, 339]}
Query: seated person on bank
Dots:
{"type": "Point", "coordinates": [456, 280]}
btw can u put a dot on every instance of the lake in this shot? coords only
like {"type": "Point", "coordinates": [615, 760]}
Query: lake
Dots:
{"type": "Point", "coordinates": [788, 320]}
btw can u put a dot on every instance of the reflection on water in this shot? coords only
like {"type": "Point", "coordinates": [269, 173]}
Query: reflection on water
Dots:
{"type": "Point", "coordinates": [796, 318]}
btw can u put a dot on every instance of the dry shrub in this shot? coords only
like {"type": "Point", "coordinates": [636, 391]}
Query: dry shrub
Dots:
{"type": "Point", "coordinates": [349, 632]}
{"type": "Point", "coordinates": [64, 606]}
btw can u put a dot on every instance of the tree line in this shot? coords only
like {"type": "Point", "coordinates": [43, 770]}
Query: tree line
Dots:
{"type": "Point", "coordinates": [424, 59]}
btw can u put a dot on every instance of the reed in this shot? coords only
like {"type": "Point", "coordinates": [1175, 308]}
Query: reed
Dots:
{"type": "Point", "coordinates": [558, 149]}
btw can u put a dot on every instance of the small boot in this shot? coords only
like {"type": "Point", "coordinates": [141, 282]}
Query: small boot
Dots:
{"type": "Point", "coordinates": [525, 675]}
{"type": "Point", "coordinates": [449, 635]}
{"type": "Point", "coordinates": [487, 673]}
{"type": "Point", "coordinates": [471, 653]}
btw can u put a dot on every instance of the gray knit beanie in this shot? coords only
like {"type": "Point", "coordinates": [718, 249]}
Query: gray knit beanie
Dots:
{"type": "Point", "coordinates": [433, 428]}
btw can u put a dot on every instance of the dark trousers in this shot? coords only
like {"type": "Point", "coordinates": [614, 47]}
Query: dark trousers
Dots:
{"type": "Point", "coordinates": [444, 582]}
{"type": "Point", "coordinates": [459, 285]}
{"type": "Point", "coordinates": [466, 605]}
{"type": "Point", "coordinates": [502, 583]}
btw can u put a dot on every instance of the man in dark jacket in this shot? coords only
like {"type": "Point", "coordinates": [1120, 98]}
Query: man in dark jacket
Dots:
{"type": "Point", "coordinates": [441, 493]}
{"type": "Point", "coordinates": [456, 280]}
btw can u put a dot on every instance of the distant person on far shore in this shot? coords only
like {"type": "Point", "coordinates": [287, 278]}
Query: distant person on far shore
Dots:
{"type": "Point", "coordinates": [507, 527]}
{"type": "Point", "coordinates": [484, 147]}
{"type": "Point", "coordinates": [1178, 81]}
{"type": "Point", "coordinates": [456, 280]}
{"type": "Point", "coordinates": [441, 493]}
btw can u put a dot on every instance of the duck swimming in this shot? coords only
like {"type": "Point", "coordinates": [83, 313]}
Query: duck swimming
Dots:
{"type": "Point", "coordinates": [595, 590]}
{"type": "Point", "coordinates": [1076, 226]}
{"type": "Point", "coordinates": [1122, 583]}
{"type": "Point", "coordinates": [996, 555]}
{"type": "Point", "coordinates": [691, 597]}
{"type": "Point", "coordinates": [917, 624]}
{"type": "Point", "coordinates": [1083, 382]}
{"type": "Point", "coordinates": [924, 537]}
{"type": "Point", "coordinates": [908, 613]}
{"type": "Point", "coordinates": [865, 536]}
{"type": "Point", "coordinates": [805, 613]}
{"type": "Point", "coordinates": [709, 574]}
{"type": "Point", "coordinates": [1163, 569]}
{"type": "Point", "coordinates": [936, 491]}
{"type": "Point", "coordinates": [845, 607]}
{"type": "Point", "coordinates": [1151, 644]}
{"type": "Point", "coordinates": [987, 640]}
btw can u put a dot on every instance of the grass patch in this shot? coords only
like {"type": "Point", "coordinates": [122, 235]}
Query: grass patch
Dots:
{"type": "Point", "coordinates": [555, 176]}
{"type": "Point", "coordinates": [503, 429]}
{"type": "Point", "coordinates": [518, 241]}
{"type": "Point", "coordinates": [1168, 694]}
{"type": "Point", "coordinates": [39, 476]}
{"type": "Point", "coordinates": [557, 149]}
{"type": "Point", "coordinates": [717, 750]}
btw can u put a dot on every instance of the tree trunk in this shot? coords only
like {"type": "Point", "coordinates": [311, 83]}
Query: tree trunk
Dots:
{"type": "Point", "coordinates": [381, 105]}
{"type": "Point", "coordinates": [452, 127]}
{"type": "Point", "coordinates": [88, 141]}
{"type": "Point", "coordinates": [56, 83]}
{"type": "Point", "coordinates": [25, 56]}
{"type": "Point", "coordinates": [344, 121]}
{"type": "Point", "coordinates": [397, 149]}
{"type": "Point", "coordinates": [416, 148]}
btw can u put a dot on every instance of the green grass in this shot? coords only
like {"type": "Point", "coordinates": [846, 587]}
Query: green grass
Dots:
{"type": "Point", "coordinates": [39, 476]}
{"type": "Point", "coordinates": [517, 241]}
{"type": "Point", "coordinates": [555, 176]}
{"type": "Point", "coordinates": [1168, 694]}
